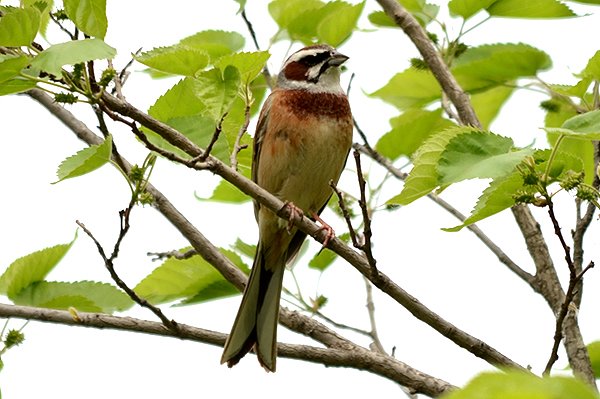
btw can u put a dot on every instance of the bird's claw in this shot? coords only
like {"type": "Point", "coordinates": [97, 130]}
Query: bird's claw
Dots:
{"type": "Point", "coordinates": [329, 233]}
{"type": "Point", "coordinates": [295, 214]}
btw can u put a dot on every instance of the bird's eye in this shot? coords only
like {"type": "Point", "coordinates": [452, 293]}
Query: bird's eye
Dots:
{"type": "Point", "coordinates": [315, 59]}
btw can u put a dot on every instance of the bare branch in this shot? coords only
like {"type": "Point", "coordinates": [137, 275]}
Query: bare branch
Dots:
{"type": "Point", "coordinates": [371, 311]}
{"type": "Point", "coordinates": [362, 202]}
{"type": "Point", "coordinates": [558, 331]}
{"type": "Point", "coordinates": [266, 72]}
{"type": "Point", "coordinates": [358, 358]}
{"type": "Point", "coordinates": [213, 140]}
{"type": "Point", "coordinates": [109, 264]}
{"type": "Point", "coordinates": [345, 214]}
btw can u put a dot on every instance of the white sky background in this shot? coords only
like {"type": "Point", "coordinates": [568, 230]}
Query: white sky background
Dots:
{"type": "Point", "coordinates": [452, 273]}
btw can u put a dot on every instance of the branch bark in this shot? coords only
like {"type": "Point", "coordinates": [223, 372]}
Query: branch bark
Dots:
{"type": "Point", "coordinates": [359, 358]}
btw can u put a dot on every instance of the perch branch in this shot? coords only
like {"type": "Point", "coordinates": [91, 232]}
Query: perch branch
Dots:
{"type": "Point", "coordinates": [358, 358]}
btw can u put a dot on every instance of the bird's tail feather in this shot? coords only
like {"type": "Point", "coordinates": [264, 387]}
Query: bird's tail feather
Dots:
{"type": "Point", "coordinates": [256, 322]}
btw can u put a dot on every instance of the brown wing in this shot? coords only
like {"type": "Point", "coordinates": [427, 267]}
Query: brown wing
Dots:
{"type": "Point", "coordinates": [261, 128]}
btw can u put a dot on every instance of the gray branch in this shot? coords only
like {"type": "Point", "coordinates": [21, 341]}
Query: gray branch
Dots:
{"type": "Point", "coordinates": [358, 358]}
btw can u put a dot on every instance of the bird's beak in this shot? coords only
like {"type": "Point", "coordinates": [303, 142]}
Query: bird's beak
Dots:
{"type": "Point", "coordinates": [337, 59]}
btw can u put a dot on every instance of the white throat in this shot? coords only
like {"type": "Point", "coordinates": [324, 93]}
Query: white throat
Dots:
{"type": "Point", "coordinates": [329, 82]}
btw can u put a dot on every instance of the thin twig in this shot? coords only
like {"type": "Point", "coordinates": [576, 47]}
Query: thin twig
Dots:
{"type": "Point", "coordinates": [560, 318]}
{"type": "Point", "coordinates": [237, 147]}
{"type": "Point", "coordinates": [266, 72]}
{"type": "Point", "coordinates": [218, 129]}
{"type": "Point", "coordinates": [109, 264]}
{"type": "Point", "coordinates": [371, 311]}
{"type": "Point", "coordinates": [121, 78]}
{"type": "Point", "coordinates": [72, 36]}
{"type": "Point", "coordinates": [345, 214]}
{"type": "Point", "coordinates": [362, 202]}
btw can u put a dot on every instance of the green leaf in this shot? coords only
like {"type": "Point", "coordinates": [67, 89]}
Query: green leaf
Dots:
{"type": "Point", "coordinates": [45, 7]}
{"type": "Point", "coordinates": [177, 59]}
{"type": "Point", "coordinates": [55, 57]}
{"type": "Point", "coordinates": [410, 88]}
{"type": "Point", "coordinates": [85, 296]}
{"type": "Point", "coordinates": [584, 125]}
{"type": "Point", "coordinates": [242, 4]}
{"type": "Point", "coordinates": [19, 26]}
{"type": "Point", "coordinates": [584, 149]}
{"type": "Point", "coordinates": [86, 160]}
{"type": "Point", "coordinates": [530, 9]}
{"type": "Point", "coordinates": [16, 85]}
{"type": "Point", "coordinates": [337, 26]}
{"type": "Point", "coordinates": [478, 155]}
{"type": "Point", "coordinates": [88, 15]}
{"type": "Point", "coordinates": [409, 130]}
{"type": "Point", "coordinates": [330, 23]}
{"type": "Point", "coordinates": [487, 104]}
{"type": "Point", "coordinates": [186, 278]}
{"type": "Point", "coordinates": [468, 8]}
{"type": "Point", "coordinates": [221, 288]}
{"type": "Point", "coordinates": [592, 69]}
{"type": "Point", "coordinates": [421, 10]}
{"type": "Point", "coordinates": [249, 65]}
{"type": "Point", "coordinates": [493, 64]}
{"type": "Point", "coordinates": [380, 18]}
{"type": "Point", "coordinates": [423, 178]}
{"type": "Point", "coordinates": [181, 109]}
{"type": "Point", "coordinates": [216, 43]}
{"type": "Point", "coordinates": [228, 193]}
{"type": "Point", "coordinates": [594, 352]}
{"type": "Point", "coordinates": [476, 69]}
{"type": "Point", "coordinates": [325, 257]}
{"type": "Point", "coordinates": [244, 248]}
{"type": "Point", "coordinates": [217, 89]}
{"type": "Point", "coordinates": [10, 66]}
{"type": "Point", "coordinates": [497, 197]}
{"type": "Point", "coordinates": [594, 2]}
{"type": "Point", "coordinates": [31, 268]}
{"type": "Point", "coordinates": [520, 385]}
{"type": "Point", "coordinates": [178, 101]}
{"type": "Point", "coordinates": [285, 11]}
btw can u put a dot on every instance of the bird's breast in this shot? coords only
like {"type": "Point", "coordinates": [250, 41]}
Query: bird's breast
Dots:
{"type": "Point", "coordinates": [305, 146]}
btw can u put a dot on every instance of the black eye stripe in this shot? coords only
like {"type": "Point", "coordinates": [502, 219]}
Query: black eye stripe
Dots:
{"type": "Point", "coordinates": [314, 59]}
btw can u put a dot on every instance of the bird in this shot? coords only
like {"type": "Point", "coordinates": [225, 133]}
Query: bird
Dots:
{"type": "Point", "coordinates": [302, 140]}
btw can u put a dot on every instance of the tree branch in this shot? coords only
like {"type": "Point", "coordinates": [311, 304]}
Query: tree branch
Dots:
{"type": "Point", "coordinates": [210, 253]}
{"type": "Point", "coordinates": [380, 280]}
{"type": "Point", "coordinates": [545, 281]}
{"type": "Point", "coordinates": [436, 64]}
{"type": "Point", "coordinates": [359, 358]}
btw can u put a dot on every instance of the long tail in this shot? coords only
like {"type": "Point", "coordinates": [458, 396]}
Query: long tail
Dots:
{"type": "Point", "coordinates": [256, 322]}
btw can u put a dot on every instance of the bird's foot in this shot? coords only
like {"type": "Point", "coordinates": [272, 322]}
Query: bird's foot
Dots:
{"type": "Point", "coordinates": [329, 233]}
{"type": "Point", "coordinates": [295, 214]}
